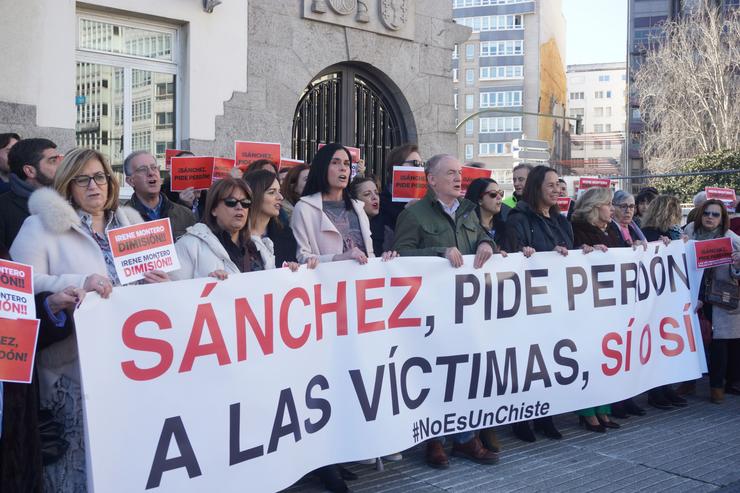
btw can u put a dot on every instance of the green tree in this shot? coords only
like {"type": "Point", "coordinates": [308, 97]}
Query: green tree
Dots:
{"type": "Point", "coordinates": [685, 187]}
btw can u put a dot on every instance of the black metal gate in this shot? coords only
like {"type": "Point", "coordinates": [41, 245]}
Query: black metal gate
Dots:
{"type": "Point", "coordinates": [347, 106]}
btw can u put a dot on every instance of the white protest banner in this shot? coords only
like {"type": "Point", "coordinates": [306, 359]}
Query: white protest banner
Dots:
{"type": "Point", "coordinates": [248, 384]}
{"type": "Point", "coordinates": [16, 290]}
{"type": "Point", "coordinates": [143, 248]}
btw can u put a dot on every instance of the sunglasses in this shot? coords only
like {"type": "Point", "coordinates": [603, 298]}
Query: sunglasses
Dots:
{"type": "Point", "coordinates": [712, 214]}
{"type": "Point", "coordinates": [231, 203]}
{"type": "Point", "coordinates": [83, 181]}
{"type": "Point", "coordinates": [415, 162]}
{"type": "Point", "coordinates": [494, 194]}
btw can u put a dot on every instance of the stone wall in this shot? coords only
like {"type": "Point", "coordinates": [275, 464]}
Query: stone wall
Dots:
{"type": "Point", "coordinates": [287, 51]}
{"type": "Point", "coordinates": [21, 119]}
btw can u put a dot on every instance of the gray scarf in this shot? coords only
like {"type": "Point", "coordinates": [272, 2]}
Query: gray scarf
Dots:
{"type": "Point", "coordinates": [703, 234]}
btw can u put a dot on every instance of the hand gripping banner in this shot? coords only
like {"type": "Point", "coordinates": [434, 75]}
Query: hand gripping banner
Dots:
{"type": "Point", "coordinates": [252, 382]}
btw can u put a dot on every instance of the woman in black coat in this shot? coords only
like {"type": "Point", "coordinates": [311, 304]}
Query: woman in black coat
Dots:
{"type": "Point", "coordinates": [536, 225]}
{"type": "Point", "coordinates": [30, 439]}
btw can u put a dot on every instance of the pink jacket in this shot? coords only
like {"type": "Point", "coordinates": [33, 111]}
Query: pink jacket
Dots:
{"type": "Point", "coordinates": [317, 236]}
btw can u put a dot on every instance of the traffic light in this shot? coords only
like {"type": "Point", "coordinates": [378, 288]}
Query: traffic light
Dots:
{"type": "Point", "coordinates": [579, 125]}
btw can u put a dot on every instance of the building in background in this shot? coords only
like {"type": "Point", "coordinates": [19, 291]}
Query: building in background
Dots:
{"type": "Point", "coordinates": [127, 75]}
{"type": "Point", "coordinates": [597, 94]}
{"type": "Point", "coordinates": [514, 60]}
{"type": "Point", "coordinates": [645, 20]}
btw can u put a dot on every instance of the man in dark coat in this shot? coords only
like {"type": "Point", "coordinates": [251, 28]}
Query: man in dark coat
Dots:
{"type": "Point", "coordinates": [142, 173]}
{"type": "Point", "coordinates": [33, 163]}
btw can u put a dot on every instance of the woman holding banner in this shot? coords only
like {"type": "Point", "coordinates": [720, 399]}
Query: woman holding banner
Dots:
{"type": "Point", "coordinates": [623, 219]}
{"type": "Point", "coordinates": [365, 189]}
{"type": "Point", "coordinates": [712, 222]}
{"type": "Point", "coordinates": [492, 212]}
{"type": "Point", "coordinates": [536, 225]}
{"type": "Point", "coordinates": [273, 239]}
{"type": "Point", "coordinates": [591, 218]}
{"type": "Point", "coordinates": [65, 241]}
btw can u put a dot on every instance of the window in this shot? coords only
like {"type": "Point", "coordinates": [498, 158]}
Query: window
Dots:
{"type": "Point", "coordinates": [624, 76]}
{"type": "Point", "coordinates": [598, 111]}
{"type": "Point", "coordinates": [502, 48]}
{"type": "Point", "coordinates": [125, 85]}
{"type": "Point", "coordinates": [598, 145]}
{"type": "Point", "coordinates": [608, 111]}
{"type": "Point", "coordinates": [469, 76]}
{"type": "Point", "coordinates": [455, 52]}
{"type": "Point", "coordinates": [494, 148]}
{"type": "Point", "coordinates": [576, 112]}
{"type": "Point", "coordinates": [161, 146]}
{"type": "Point", "coordinates": [469, 128]}
{"type": "Point", "coordinates": [599, 95]}
{"type": "Point", "coordinates": [608, 94]}
{"type": "Point", "coordinates": [604, 78]}
{"type": "Point", "coordinates": [492, 22]}
{"type": "Point", "coordinates": [576, 95]}
{"type": "Point", "coordinates": [502, 72]}
{"type": "Point", "coordinates": [454, 75]}
{"type": "Point", "coordinates": [499, 99]}
{"type": "Point", "coordinates": [500, 124]}
{"type": "Point", "coordinates": [454, 99]}
{"type": "Point", "coordinates": [469, 102]}
{"type": "Point", "coordinates": [469, 51]}
{"type": "Point", "coordinates": [607, 127]}
{"type": "Point", "coordinates": [468, 151]}
{"type": "Point", "coordinates": [599, 128]}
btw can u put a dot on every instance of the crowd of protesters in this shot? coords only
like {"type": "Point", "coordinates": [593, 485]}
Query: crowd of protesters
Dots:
{"type": "Point", "coordinates": [55, 211]}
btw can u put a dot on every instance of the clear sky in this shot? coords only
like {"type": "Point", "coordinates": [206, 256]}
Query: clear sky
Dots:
{"type": "Point", "coordinates": [596, 30]}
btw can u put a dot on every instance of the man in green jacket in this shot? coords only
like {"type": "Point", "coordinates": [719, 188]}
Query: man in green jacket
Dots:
{"type": "Point", "coordinates": [519, 176]}
{"type": "Point", "coordinates": [444, 224]}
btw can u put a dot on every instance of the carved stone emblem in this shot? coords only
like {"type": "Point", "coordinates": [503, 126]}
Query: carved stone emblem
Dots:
{"type": "Point", "coordinates": [343, 7]}
{"type": "Point", "coordinates": [394, 13]}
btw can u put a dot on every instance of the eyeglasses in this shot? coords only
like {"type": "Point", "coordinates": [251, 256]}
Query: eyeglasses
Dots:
{"type": "Point", "coordinates": [495, 193]}
{"type": "Point", "coordinates": [144, 170]}
{"type": "Point", "coordinates": [626, 207]}
{"type": "Point", "coordinates": [712, 214]}
{"type": "Point", "coordinates": [84, 180]}
{"type": "Point", "coordinates": [231, 202]}
{"type": "Point", "coordinates": [414, 162]}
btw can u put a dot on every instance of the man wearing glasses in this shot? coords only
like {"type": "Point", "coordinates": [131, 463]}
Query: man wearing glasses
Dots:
{"type": "Point", "coordinates": [142, 174]}
{"type": "Point", "coordinates": [32, 164]}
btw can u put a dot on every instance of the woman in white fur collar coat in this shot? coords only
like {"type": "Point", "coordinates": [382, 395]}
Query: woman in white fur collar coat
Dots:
{"type": "Point", "coordinates": [65, 241]}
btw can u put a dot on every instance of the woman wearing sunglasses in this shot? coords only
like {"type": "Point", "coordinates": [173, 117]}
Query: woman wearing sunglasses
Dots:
{"type": "Point", "coordinates": [65, 241]}
{"type": "Point", "coordinates": [712, 221]}
{"type": "Point", "coordinates": [220, 245]}
{"type": "Point", "coordinates": [492, 212]}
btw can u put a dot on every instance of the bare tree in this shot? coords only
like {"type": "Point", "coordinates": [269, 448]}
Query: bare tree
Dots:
{"type": "Point", "coordinates": [689, 88]}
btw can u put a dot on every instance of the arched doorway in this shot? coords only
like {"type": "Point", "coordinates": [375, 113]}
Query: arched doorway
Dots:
{"type": "Point", "coordinates": [356, 106]}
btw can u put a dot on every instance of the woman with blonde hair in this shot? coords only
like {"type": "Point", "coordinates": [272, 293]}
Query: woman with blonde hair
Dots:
{"type": "Point", "coordinates": [65, 240]}
{"type": "Point", "coordinates": [591, 219]}
{"type": "Point", "coordinates": [662, 218]}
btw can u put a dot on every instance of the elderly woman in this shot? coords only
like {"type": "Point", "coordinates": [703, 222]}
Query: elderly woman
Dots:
{"type": "Point", "coordinates": [591, 219]}
{"type": "Point", "coordinates": [65, 241]}
{"type": "Point", "coordinates": [623, 219]}
{"type": "Point", "coordinates": [712, 221]}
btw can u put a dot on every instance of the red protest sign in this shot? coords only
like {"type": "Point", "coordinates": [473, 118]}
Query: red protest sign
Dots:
{"type": "Point", "coordinates": [196, 172]}
{"type": "Point", "coordinates": [245, 153]}
{"type": "Point", "coordinates": [564, 205]}
{"type": "Point", "coordinates": [469, 174]}
{"type": "Point", "coordinates": [286, 163]}
{"type": "Point", "coordinates": [409, 183]}
{"type": "Point", "coordinates": [16, 290]}
{"type": "Point", "coordinates": [726, 195]}
{"type": "Point", "coordinates": [222, 167]}
{"type": "Point", "coordinates": [17, 349]}
{"type": "Point", "coordinates": [169, 154]}
{"type": "Point", "coordinates": [354, 152]}
{"type": "Point", "coordinates": [711, 253]}
{"type": "Point", "coordinates": [588, 182]}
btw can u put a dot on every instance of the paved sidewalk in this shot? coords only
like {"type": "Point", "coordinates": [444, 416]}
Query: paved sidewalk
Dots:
{"type": "Point", "coordinates": [691, 449]}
